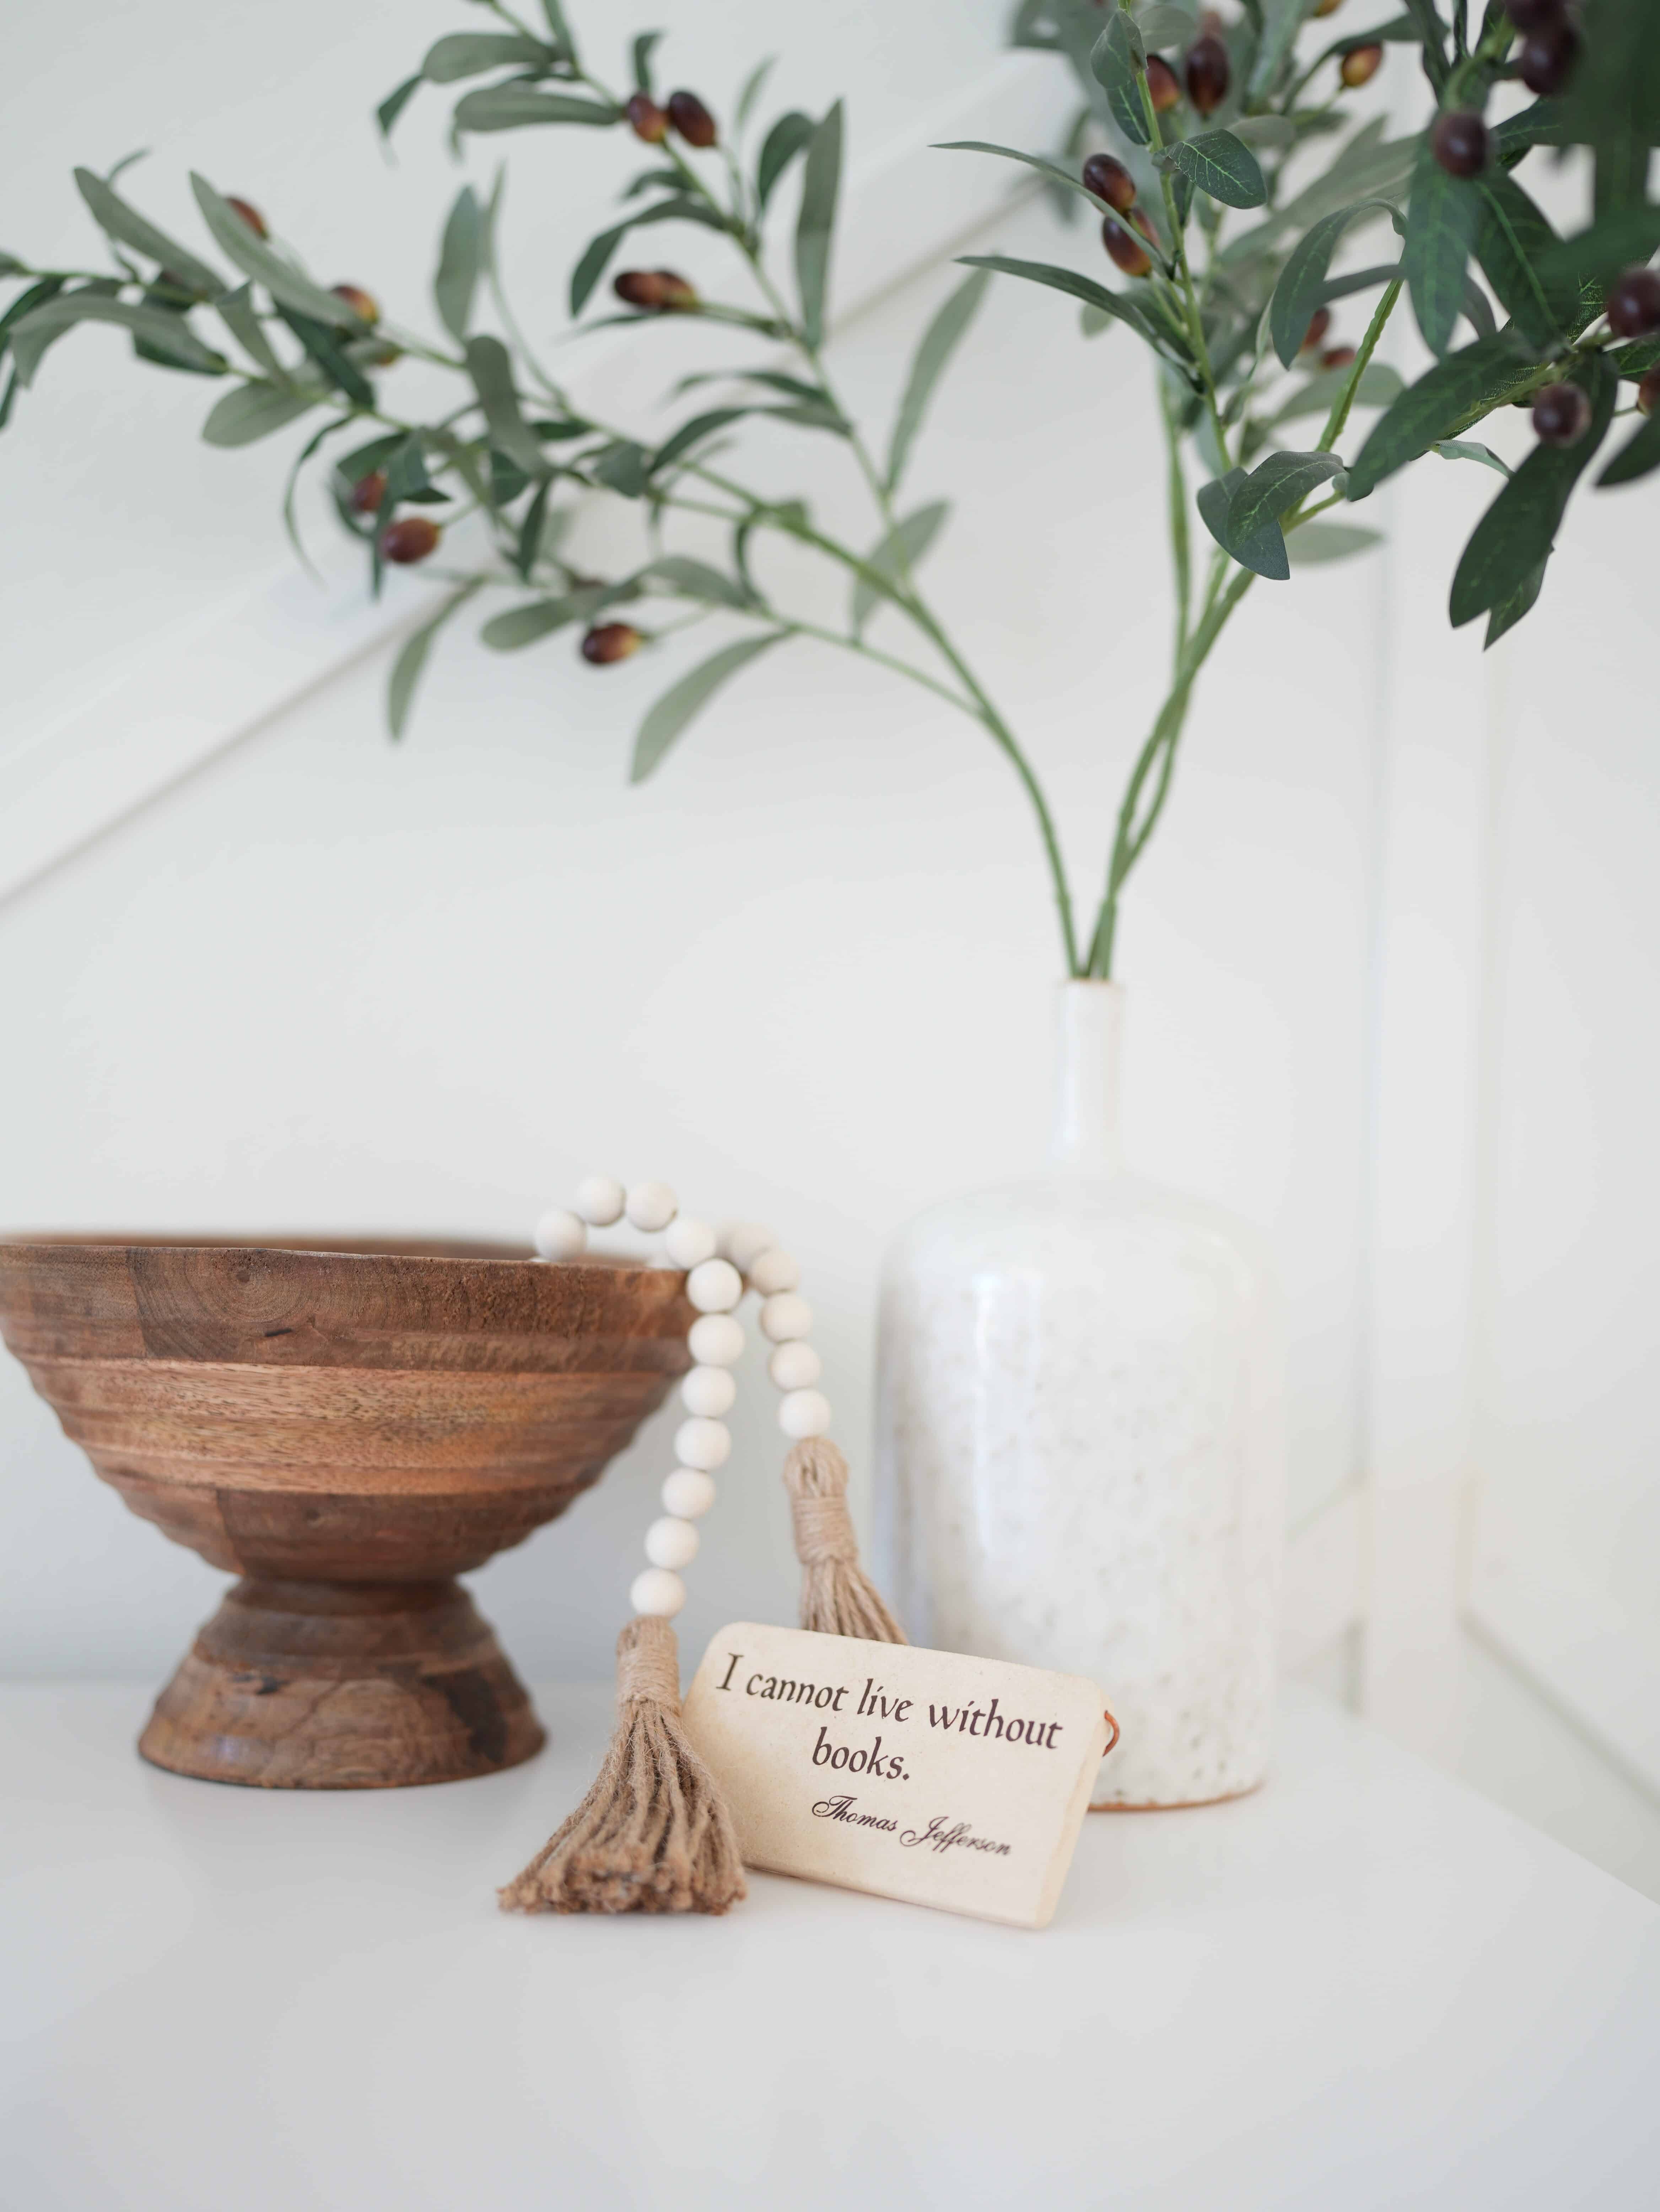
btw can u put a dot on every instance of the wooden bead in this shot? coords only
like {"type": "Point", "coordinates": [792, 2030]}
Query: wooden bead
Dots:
{"type": "Point", "coordinates": [702, 1443]}
{"type": "Point", "coordinates": [715, 1341]}
{"type": "Point", "coordinates": [714, 1286]}
{"type": "Point", "coordinates": [671, 1542]}
{"type": "Point", "coordinates": [599, 1200]}
{"type": "Point", "coordinates": [805, 1413]}
{"type": "Point", "coordinates": [709, 1391]}
{"type": "Point", "coordinates": [656, 1590]}
{"type": "Point", "coordinates": [795, 1366]}
{"type": "Point", "coordinates": [559, 1235]}
{"type": "Point", "coordinates": [741, 1242]}
{"type": "Point", "coordinates": [650, 1206]}
{"type": "Point", "coordinates": [786, 1316]}
{"type": "Point", "coordinates": [688, 1494]}
{"type": "Point", "coordinates": [771, 1272]}
{"type": "Point", "coordinates": [689, 1242]}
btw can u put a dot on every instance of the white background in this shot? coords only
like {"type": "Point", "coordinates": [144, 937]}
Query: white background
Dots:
{"type": "Point", "coordinates": [1389, 958]}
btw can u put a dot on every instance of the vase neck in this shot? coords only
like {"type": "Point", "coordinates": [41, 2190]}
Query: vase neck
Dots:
{"type": "Point", "coordinates": [1088, 1024]}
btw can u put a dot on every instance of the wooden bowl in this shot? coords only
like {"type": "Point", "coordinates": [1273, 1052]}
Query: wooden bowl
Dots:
{"type": "Point", "coordinates": [349, 1424]}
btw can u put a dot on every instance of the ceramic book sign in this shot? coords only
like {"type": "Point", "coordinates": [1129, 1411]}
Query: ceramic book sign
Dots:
{"type": "Point", "coordinates": [923, 1775]}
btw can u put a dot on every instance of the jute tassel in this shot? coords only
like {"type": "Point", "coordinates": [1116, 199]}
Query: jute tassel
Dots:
{"type": "Point", "coordinates": [836, 1597]}
{"type": "Point", "coordinates": [653, 1834]}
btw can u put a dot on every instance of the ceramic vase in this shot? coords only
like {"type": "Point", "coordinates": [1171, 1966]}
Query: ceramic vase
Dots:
{"type": "Point", "coordinates": [1081, 1462]}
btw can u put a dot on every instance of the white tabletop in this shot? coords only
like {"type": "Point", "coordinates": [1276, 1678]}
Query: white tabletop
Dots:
{"type": "Point", "coordinates": [1362, 1988]}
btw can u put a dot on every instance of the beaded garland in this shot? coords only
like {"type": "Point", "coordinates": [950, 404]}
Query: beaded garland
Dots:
{"type": "Point", "coordinates": [719, 1267]}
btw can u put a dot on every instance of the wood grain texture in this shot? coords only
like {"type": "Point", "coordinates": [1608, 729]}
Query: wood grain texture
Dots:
{"type": "Point", "coordinates": [350, 1421]}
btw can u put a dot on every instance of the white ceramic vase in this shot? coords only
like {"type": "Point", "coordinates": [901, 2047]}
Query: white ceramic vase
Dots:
{"type": "Point", "coordinates": [1081, 1461]}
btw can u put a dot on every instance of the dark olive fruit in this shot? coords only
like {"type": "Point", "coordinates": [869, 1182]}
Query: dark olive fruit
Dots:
{"type": "Point", "coordinates": [641, 287]}
{"type": "Point", "coordinates": [1337, 357]}
{"type": "Point", "coordinates": [1548, 57]}
{"type": "Point", "coordinates": [1648, 391]}
{"type": "Point", "coordinates": [1131, 255]}
{"type": "Point", "coordinates": [1632, 305]}
{"type": "Point", "coordinates": [1110, 181]}
{"type": "Point", "coordinates": [1161, 84]}
{"type": "Point", "coordinates": [1459, 144]}
{"type": "Point", "coordinates": [367, 493]}
{"type": "Point", "coordinates": [1319, 323]}
{"type": "Point", "coordinates": [1208, 74]}
{"type": "Point", "coordinates": [1327, 7]}
{"type": "Point", "coordinates": [647, 120]}
{"type": "Point", "coordinates": [691, 119]}
{"type": "Point", "coordinates": [1359, 65]}
{"type": "Point", "coordinates": [411, 537]}
{"type": "Point", "coordinates": [362, 304]}
{"type": "Point", "coordinates": [1534, 15]}
{"type": "Point", "coordinates": [677, 294]}
{"type": "Point", "coordinates": [1561, 414]}
{"type": "Point", "coordinates": [609, 642]}
{"type": "Point", "coordinates": [249, 215]}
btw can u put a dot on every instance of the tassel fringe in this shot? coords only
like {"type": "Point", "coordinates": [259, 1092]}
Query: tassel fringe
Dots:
{"type": "Point", "coordinates": [837, 1598]}
{"type": "Point", "coordinates": [653, 1834]}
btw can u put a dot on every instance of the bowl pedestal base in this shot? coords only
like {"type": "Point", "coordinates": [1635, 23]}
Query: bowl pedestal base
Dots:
{"type": "Point", "coordinates": [342, 1685]}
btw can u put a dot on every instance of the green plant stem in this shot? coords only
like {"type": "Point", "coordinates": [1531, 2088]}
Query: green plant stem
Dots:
{"type": "Point", "coordinates": [1178, 246]}
{"type": "Point", "coordinates": [1181, 557]}
{"type": "Point", "coordinates": [1345, 399]}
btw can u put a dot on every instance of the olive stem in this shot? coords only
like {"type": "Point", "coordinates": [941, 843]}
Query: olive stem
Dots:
{"type": "Point", "coordinates": [1345, 399]}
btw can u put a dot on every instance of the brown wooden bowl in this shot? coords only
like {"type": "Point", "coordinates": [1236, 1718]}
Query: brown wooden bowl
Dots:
{"type": "Point", "coordinates": [348, 1424]}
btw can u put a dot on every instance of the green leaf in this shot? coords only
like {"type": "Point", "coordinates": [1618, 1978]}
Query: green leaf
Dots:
{"type": "Point", "coordinates": [1118, 61]}
{"type": "Point", "coordinates": [696, 580]}
{"type": "Point", "coordinates": [1542, 124]}
{"type": "Point", "coordinates": [236, 311]}
{"type": "Point", "coordinates": [942, 337]}
{"type": "Point", "coordinates": [491, 368]}
{"type": "Point", "coordinates": [1113, 304]}
{"type": "Point", "coordinates": [396, 102]}
{"type": "Point", "coordinates": [129, 227]}
{"type": "Point", "coordinates": [778, 150]}
{"type": "Point", "coordinates": [1513, 237]}
{"type": "Point", "coordinates": [1220, 165]}
{"type": "Point", "coordinates": [816, 224]}
{"type": "Point", "coordinates": [1470, 449]}
{"type": "Point", "coordinates": [460, 262]}
{"type": "Point", "coordinates": [329, 357]}
{"type": "Point", "coordinates": [898, 553]}
{"type": "Point", "coordinates": [531, 530]}
{"type": "Point", "coordinates": [1312, 541]}
{"type": "Point", "coordinates": [1379, 386]}
{"type": "Point", "coordinates": [750, 93]}
{"type": "Point", "coordinates": [33, 332]}
{"type": "Point", "coordinates": [1264, 553]}
{"type": "Point", "coordinates": [641, 56]}
{"type": "Point", "coordinates": [681, 702]}
{"type": "Point", "coordinates": [1476, 309]}
{"type": "Point", "coordinates": [1282, 20]}
{"type": "Point", "coordinates": [1636, 456]}
{"type": "Point", "coordinates": [692, 433]}
{"type": "Point", "coordinates": [1166, 25]}
{"type": "Point", "coordinates": [1302, 284]}
{"type": "Point", "coordinates": [560, 29]}
{"type": "Point", "coordinates": [1442, 219]}
{"type": "Point", "coordinates": [1432, 33]}
{"type": "Point", "coordinates": [1596, 257]}
{"type": "Point", "coordinates": [1274, 487]}
{"type": "Point", "coordinates": [623, 467]}
{"type": "Point", "coordinates": [537, 619]}
{"type": "Point", "coordinates": [7, 397]}
{"type": "Point", "coordinates": [516, 106]}
{"type": "Point", "coordinates": [11, 266]}
{"type": "Point", "coordinates": [1455, 394]}
{"type": "Point", "coordinates": [470, 53]}
{"type": "Point", "coordinates": [252, 411]}
{"type": "Point", "coordinates": [257, 259]}
{"type": "Point", "coordinates": [1518, 529]}
{"type": "Point", "coordinates": [1510, 611]}
{"type": "Point", "coordinates": [36, 295]}
{"type": "Point", "coordinates": [412, 660]}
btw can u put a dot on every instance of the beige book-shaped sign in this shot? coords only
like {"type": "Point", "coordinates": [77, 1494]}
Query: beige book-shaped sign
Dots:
{"type": "Point", "coordinates": [923, 1775]}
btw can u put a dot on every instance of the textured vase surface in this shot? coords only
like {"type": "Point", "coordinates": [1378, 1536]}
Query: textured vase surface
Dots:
{"type": "Point", "coordinates": [1081, 1458]}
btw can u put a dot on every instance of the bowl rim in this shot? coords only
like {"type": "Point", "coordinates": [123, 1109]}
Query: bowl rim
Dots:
{"type": "Point", "coordinates": [436, 1250]}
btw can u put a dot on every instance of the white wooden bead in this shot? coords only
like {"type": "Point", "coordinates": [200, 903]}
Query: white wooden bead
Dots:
{"type": "Point", "coordinates": [773, 1271]}
{"type": "Point", "coordinates": [599, 1200]}
{"type": "Point", "coordinates": [671, 1543]}
{"type": "Point", "coordinates": [656, 1590]}
{"type": "Point", "coordinates": [559, 1235]}
{"type": "Point", "coordinates": [709, 1391]}
{"type": "Point", "coordinates": [795, 1366]}
{"type": "Point", "coordinates": [715, 1341]}
{"type": "Point", "coordinates": [714, 1286]}
{"type": "Point", "coordinates": [786, 1316]}
{"type": "Point", "coordinates": [689, 1242]}
{"type": "Point", "coordinates": [741, 1242]}
{"type": "Point", "coordinates": [805, 1413]}
{"type": "Point", "coordinates": [650, 1206]}
{"type": "Point", "coordinates": [688, 1494]}
{"type": "Point", "coordinates": [699, 1442]}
